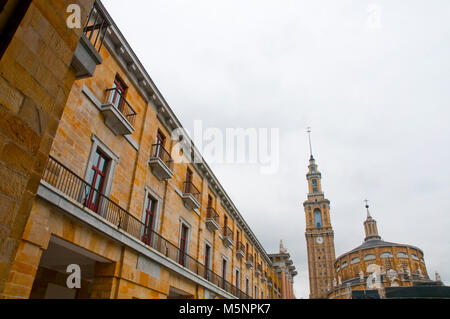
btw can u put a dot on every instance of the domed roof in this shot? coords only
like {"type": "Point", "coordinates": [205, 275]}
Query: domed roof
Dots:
{"type": "Point", "coordinates": [374, 243]}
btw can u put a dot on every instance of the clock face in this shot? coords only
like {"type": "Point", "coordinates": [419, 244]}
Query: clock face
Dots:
{"type": "Point", "coordinates": [319, 240]}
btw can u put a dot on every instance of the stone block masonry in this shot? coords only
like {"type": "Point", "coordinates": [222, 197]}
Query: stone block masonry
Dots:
{"type": "Point", "coordinates": [35, 81]}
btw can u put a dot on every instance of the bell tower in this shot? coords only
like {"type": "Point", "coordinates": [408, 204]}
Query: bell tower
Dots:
{"type": "Point", "coordinates": [319, 233]}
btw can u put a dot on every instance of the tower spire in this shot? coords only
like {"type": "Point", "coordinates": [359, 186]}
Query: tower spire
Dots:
{"type": "Point", "coordinates": [310, 144]}
{"type": "Point", "coordinates": [370, 226]}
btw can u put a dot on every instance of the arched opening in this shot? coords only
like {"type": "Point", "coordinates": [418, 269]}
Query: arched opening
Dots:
{"type": "Point", "coordinates": [318, 218]}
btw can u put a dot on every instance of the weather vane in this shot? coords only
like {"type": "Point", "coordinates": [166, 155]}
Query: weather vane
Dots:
{"type": "Point", "coordinates": [309, 135]}
{"type": "Point", "coordinates": [367, 207]}
{"type": "Point", "coordinates": [367, 203]}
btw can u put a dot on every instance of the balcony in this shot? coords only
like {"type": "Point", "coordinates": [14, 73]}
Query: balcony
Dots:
{"type": "Point", "coordinates": [74, 187]}
{"type": "Point", "coordinates": [258, 270]}
{"type": "Point", "coordinates": [86, 56]}
{"type": "Point", "coordinates": [161, 163]}
{"type": "Point", "coordinates": [227, 237]}
{"type": "Point", "coordinates": [264, 277]}
{"type": "Point", "coordinates": [191, 196]}
{"type": "Point", "coordinates": [249, 261]}
{"type": "Point", "coordinates": [240, 250]}
{"type": "Point", "coordinates": [118, 113]}
{"type": "Point", "coordinates": [269, 282]}
{"type": "Point", "coordinates": [212, 220]}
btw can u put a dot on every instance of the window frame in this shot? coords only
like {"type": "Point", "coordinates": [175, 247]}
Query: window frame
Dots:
{"type": "Point", "coordinates": [97, 173]}
{"type": "Point", "coordinates": [208, 259]}
{"type": "Point", "coordinates": [317, 210]}
{"type": "Point", "coordinates": [403, 255]}
{"type": "Point", "coordinates": [114, 161]}
{"type": "Point", "coordinates": [187, 241]}
{"type": "Point", "coordinates": [150, 193]}
{"type": "Point", "coordinates": [119, 86]}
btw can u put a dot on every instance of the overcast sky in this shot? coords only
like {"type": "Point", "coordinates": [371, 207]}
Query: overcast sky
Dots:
{"type": "Point", "coordinates": [370, 77]}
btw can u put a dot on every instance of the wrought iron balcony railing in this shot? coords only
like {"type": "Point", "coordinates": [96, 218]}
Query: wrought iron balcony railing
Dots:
{"type": "Point", "coordinates": [62, 178]}
{"type": "Point", "coordinates": [258, 269]}
{"type": "Point", "coordinates": [227, 232]}
{"type": "Point", "coordinates": [158, 151]}
{"type": "Point", "coordinates": [240, 250]}
{"type": "Point", "coordinates": [115, 97]}
{"type": "Point", "coordinates": [212, 214]}
{"type": "Point", "coordinates": [189, 188]}
{"type": "Point", "coordinates": [240, 247]}
{"type": "Point", "coordinates": [96, 26]}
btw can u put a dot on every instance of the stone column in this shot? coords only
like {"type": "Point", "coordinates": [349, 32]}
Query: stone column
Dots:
{"type": "Point", "coordinates": [105, 282]}
{"type": "Point", "coordinates": [35, 80]}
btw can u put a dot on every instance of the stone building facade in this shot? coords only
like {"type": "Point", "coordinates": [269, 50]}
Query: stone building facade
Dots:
{"type": "Point", "coordinates": [119, 193]}
{"type": "Point", "coordinates": [284, 267]}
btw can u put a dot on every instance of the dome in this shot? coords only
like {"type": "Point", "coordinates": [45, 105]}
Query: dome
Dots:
{"type": "Point", "coordinates": [374, 244]}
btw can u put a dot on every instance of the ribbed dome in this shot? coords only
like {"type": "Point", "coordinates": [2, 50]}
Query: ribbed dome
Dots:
{"type": "Point", "coordinates": [376, 243]}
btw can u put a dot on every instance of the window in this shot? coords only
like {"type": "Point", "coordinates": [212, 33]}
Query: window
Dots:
{"type": "Point", "coordinates": [224, 271]}
{"type": "Point", "coordinates": [247, 286]}
{"type": "Point", "coordinates": [314, 182]}
{"type": "Point", "coordinates": [387, 255]}
{"type": "Point", "coordinates": [118, 95]}
{"type": "Point", "coordinates": [318, 218]}
{"type": "Point", "coordinates": [160, 139]}
{"type": "Point", "coordinates": [413, 256]}
{"type": "Point", "coordinates": [344, 264]}
{"type": "Point", "coordinates": [315, 190]}
{"type": "Point", "coordinates": [210, 200]}
{"type": "Point", "coordinates": [207, 260]}
{"type": "Point", "coordinates": [183, 244]}
{"type": "Point", "coordinates": [262, 294]}
{"type": "Point", "coordinates": [402, 255]}
{"type": "Point", "coordinates": [96, 179]}
{"type": "Point", "coordinates": [369, 257]}
{"type": "Point", "coordinates": [238, 279]}
{"type": "Point", "coordinates": [355, 260]}
{"type": "Point", "coordinates": [256, 292]}
{"type": "Point", "coordinates": [188, 176]}
{"type": "Point", "coordinates": [149, 219]}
